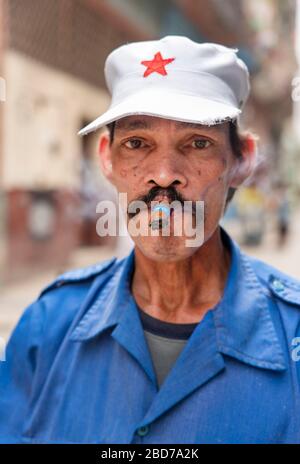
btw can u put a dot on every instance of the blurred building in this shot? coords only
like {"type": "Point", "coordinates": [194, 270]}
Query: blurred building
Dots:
{"type": "Point", "coordinates": [293, 142]}
{"type": "Point", "coordinates": [272, 24]}
{"type": "Point", "coordinates": [52, 56]}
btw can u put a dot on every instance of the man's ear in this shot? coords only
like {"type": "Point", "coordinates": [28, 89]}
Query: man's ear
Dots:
{"type": "Point", "coordinates": [105, 155]}
{"type": "Point", "coordinates": [245, 165]}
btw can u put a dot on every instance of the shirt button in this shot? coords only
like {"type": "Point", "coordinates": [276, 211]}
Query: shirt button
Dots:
{"type": "Point", "coordinates": [278, 285]}
{"type": "Point", "coordinates": [142, 431]}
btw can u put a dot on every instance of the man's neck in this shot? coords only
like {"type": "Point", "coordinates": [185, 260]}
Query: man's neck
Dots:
{"type": "Point", "coordinates": [182, 291]}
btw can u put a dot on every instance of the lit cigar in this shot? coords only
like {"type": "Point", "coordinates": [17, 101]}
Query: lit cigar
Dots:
{"type": "Point", "coordinates": [160, 216]}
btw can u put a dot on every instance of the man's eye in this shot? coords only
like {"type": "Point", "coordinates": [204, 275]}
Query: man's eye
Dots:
{"type": "Point", "coordinates": [200, 143]}
{"type": "Point", "coordinates": [133, 143]}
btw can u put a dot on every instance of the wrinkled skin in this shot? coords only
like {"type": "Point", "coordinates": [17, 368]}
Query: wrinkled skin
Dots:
{"type": "Point", "coordinates": [198, 162]}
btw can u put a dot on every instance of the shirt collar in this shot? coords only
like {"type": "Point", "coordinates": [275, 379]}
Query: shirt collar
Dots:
{"type": "Point", "coordinates": [244, 326]}
{"type": "Point", "coordinates": [107, 307]}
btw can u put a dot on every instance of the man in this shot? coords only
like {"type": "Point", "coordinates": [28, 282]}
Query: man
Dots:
{"type": "Point", "coordinates": [174, 343]}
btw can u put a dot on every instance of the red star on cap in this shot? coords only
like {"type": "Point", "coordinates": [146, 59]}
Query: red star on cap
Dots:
{"type": "Point", "coordinates": [156, 65]}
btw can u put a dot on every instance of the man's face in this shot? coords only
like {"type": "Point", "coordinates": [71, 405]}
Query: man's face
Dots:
{"type": "Point", "coordinates": [154, 159]}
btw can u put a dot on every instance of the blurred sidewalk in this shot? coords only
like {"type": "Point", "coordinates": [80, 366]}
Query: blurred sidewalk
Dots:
{"type": "Point", "coordinates": [16, 296]}
{"type": "Point", "coordinates": [286, 258]}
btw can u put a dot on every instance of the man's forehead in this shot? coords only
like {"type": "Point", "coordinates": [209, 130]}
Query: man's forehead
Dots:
{"type": "Point", "coordinates": [152, 122]}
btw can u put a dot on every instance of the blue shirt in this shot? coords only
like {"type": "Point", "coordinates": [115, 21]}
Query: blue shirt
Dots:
{"type": "Point", "coordinates": [78, 369]}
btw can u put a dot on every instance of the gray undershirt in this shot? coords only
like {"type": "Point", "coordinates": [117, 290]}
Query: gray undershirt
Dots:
{"type": "Point", "coordinates": [165, 341]}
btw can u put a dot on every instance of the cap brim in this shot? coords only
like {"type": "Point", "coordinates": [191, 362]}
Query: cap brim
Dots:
{"type": "Point", "coordinates": [179, 107]}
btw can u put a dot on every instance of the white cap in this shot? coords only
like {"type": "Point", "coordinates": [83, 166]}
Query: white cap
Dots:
{"type": "Point", "coordinates": [174, 78]}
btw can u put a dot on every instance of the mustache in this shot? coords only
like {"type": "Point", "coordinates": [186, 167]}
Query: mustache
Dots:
{"type": "Point", "coordinates": [170, 193]}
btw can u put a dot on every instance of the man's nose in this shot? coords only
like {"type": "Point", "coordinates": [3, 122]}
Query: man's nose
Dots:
{"type": "Point", "coordinates": [165, 170]}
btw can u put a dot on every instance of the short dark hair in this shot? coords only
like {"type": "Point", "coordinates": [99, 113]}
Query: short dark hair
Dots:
{"type": "Point", "coordinates": [236, 141]}
{"type": "Point", "coordinates": [237, 145]}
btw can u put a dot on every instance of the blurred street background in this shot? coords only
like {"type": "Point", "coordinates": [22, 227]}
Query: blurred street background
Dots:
{"type": "Point", "coordinates": [52, 55]}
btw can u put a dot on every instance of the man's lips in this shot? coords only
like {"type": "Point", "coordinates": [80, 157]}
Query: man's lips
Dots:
{"type": "Point", "coordinates": [164, 200]}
